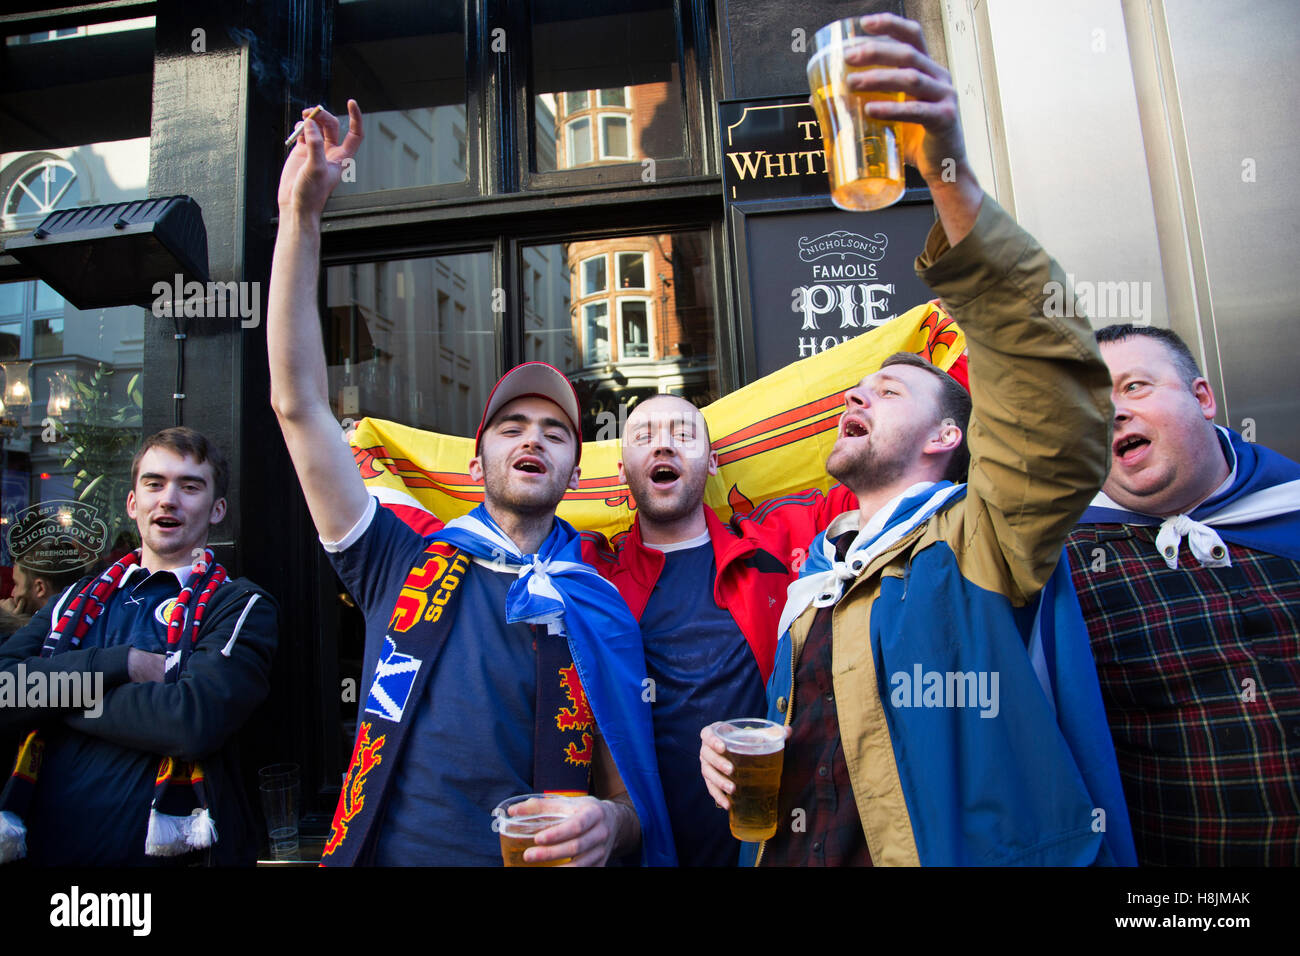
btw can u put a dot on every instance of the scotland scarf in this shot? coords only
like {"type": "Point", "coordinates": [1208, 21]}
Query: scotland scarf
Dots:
{"type": "Point", "coordinates": [179, 819]}
{"type": "Point", "coordinates": [1258, 508]}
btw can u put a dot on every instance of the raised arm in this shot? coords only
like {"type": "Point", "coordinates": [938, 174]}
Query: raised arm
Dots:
{"type": "Point", "coordinates": [335, 493]}
{"type": "Point", "coordinates": [1039, 428]}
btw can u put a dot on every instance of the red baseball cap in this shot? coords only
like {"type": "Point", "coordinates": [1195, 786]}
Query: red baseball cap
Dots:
{"type": "Point", "coordinates": [535, 379]}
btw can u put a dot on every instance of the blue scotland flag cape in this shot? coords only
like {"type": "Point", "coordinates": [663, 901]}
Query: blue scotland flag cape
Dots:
{"type": "Point", "coordinates": [1258, 508]}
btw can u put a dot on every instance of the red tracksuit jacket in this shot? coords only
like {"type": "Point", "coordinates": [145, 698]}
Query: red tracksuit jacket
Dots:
{"type": "Point", "coordinates": [758, 554]}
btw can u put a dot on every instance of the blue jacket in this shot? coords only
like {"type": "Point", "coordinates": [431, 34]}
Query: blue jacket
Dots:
{"type": "Point", "coordinates": [971, 597]}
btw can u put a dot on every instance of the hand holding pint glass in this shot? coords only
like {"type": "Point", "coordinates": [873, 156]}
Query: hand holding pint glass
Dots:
{"type": "Point", "coordinates": [741, 762]}
{"type": "Point", "coordinates": [863, 156]}
{"type": "Point", "coordinates": [520, 819]}
{"type": "Point", "coordinates": [888, 78]}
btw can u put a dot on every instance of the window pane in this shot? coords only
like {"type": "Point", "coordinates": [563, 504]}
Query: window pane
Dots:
{"type": "Point", "coordinates": [405, 64]}
{"type": "Point", "coordinates": [628, 58]}
{"type": "Point", "coordinates": [666, 330]}
{"type": "Point", "coordinates": [579, 142]}
{"type": "Point", "coordinates": [633, 329]}
{"type": "Point", "coordinates": [37, 183]}
{"type": "Point", "coordinates": [11, 337]}
{"type": "Point", "coordinates": [613, 132]}
{"type": "Point", "coordinates": [71, 433]}
{"type": "Point", "coordinates": [11, 298]}
{"type": "Point", "coordinates": [597, 332]}
{"type": "Point", "coordinates": [631, 270]}
{"type": "Point", "coordinates": [47, 337]}
{"type": "Point", "coordinates": [412, 340]}
{"type": "Point", "coordinates": [593, 276]}
{"type": "Point", "coordinates": [47, 300]}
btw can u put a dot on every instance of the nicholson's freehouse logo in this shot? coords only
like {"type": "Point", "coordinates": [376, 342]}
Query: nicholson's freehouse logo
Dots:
{"type": "Point", "coordinates": [843, 243]}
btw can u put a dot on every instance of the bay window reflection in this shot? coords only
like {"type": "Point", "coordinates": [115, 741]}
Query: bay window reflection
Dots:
{"type": "Point", "coordinates": [608, 83]}
{"type": "Point", "coordinates": [652, 329]}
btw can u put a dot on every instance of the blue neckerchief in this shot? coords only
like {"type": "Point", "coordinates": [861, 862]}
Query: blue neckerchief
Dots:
{"type": "Point", "coordinates": [1255, 470]}
{"type": "Point", "coordinates": [556, 588]}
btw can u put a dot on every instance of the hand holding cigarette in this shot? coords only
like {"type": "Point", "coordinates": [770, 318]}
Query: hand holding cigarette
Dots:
{"type": "Point", "coordinates": [302, 124]}
{"type": "Point", "coordinates": [314, 166]}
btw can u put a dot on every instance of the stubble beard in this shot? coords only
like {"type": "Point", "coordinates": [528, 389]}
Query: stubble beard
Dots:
{"type": "Point", "coordinates": [871, 468]}
{"type": "Point", "coordinates": [505, 495]}
{"type": "Point", "coordinates": [686, 499]}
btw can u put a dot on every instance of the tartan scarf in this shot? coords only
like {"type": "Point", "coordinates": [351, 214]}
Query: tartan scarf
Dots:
{"type": "Point", "coordinates": [179, 818]}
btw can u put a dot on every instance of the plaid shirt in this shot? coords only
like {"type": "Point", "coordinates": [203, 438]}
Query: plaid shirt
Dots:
{"type": "Point", "coordinates": [1200, 672]}
{"type": "Point", "coordinates": [814, 776]}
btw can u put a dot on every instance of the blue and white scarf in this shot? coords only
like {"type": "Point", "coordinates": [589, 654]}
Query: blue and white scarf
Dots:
{"type": "Point", "coordinates": [554, 587]}
{"type": "Point", "coordinates": [1258, 507]}
{"type": "Point", "coordinates": [822, 578]}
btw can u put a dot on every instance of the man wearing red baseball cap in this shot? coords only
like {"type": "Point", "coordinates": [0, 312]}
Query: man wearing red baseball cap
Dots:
{"type": "Point", "coordinates": [492, 654]}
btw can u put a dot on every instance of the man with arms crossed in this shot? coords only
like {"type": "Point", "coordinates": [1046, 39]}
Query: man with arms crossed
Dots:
{"type": "Point", "coordinates": [462, 711]}
{"type": "Point", "coordinates": [708, 596]}
{"type": "Point", "coordinates": [922, 731]}
{"type": "Point", "coordinates": [185, 657]}
{"type": "Point", "coordinates": [1188, 570]}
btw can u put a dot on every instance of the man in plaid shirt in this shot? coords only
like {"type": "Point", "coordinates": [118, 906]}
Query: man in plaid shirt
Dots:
{"type": "Point", "coordinates": [1187, 566]}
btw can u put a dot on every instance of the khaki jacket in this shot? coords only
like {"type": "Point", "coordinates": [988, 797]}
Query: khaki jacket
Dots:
{"type": "Point", "coordinates": [1039, 440]}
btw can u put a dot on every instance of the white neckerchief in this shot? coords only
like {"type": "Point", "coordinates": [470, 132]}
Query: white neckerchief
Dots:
{"type": "Point", "coordinates": [1202, 540]}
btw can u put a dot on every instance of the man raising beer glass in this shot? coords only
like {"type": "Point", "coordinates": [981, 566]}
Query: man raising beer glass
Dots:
{"type": "Point", "coordinates": [921, 647]}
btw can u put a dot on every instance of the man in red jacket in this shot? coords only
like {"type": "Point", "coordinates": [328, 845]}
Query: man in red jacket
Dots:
{"type": "Point", "coordinates": [708, 595]}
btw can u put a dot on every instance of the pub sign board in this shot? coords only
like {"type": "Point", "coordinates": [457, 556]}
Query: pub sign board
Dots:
{"type": "Point", "coordinates": [809, 276]}
{"type": "Point", "coordinates": [772, 149]}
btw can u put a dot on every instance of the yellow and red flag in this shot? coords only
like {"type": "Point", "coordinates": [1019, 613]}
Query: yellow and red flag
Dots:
{"type": "Point", "coordinates": [772, 438]}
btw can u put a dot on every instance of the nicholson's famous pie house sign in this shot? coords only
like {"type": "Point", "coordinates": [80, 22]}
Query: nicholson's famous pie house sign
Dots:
{"type": "Point", "coordinates": [810, 276]}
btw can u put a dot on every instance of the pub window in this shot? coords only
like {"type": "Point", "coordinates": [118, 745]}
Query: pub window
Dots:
{"type": "Point", "coordinates": [613, 138]}
{"type": "Point", "coordinates": [579, 134]}
{"type": "Point", "coordinates": [614, 97]}
{"type": "Point", "coordinates": [597, 350]}
{"type": "Point", "coordinates": [412, 340]}
{"type": "Point", "coordinates": [593, 275]}
{"type": "Point", "coordinates": [405, 63]}
{"type": "Point", "coordinates": [618, 348]}
{"type": "Point", "coordinates": [620, 72]}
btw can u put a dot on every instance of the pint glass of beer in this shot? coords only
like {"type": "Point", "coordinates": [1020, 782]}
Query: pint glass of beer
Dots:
{"type": "Point", "coordinates": [519, 819]}
{"type": "Point", "coordinates": [756, 749]}
{"type": "Point", "coordinates": [863, 158]}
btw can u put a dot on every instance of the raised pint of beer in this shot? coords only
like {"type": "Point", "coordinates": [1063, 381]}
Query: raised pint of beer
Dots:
{"type": "Point", "coordinates": [863, 157]}
{"type": "Point", "coordinates": [756, 749]}
{"type": "Point", "coordinates": [519, 832]}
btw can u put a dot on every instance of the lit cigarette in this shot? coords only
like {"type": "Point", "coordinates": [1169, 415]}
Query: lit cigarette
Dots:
{"type": "Point", "coordinates": [302, 123]}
